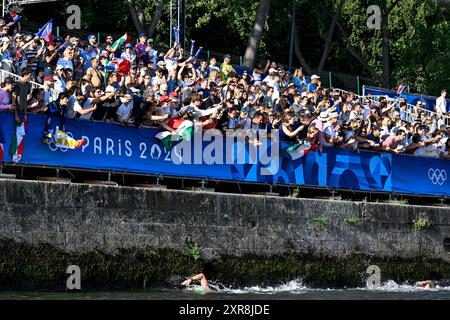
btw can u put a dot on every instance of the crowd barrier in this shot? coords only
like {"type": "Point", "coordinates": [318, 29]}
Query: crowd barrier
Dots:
{"type": "Point", "coordinates": [114, 148]}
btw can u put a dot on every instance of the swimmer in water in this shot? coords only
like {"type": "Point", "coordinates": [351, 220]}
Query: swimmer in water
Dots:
{"type": "Point", "coordinates": [204, 287]}
{"type": "Point", "coordinates": [425, 284]}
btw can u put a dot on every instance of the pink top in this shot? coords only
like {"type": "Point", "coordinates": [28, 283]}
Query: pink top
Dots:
{"type": "Point", "coordinates": [5, 100]}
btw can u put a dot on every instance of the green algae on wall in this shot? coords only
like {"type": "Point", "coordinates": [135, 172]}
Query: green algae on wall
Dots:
{"type": "Point", "coordinates": [43, 267]}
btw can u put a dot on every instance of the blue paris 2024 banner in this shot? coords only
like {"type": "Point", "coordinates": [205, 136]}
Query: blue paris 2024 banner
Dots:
{"type": "Point", "coordinates": [111, 147]}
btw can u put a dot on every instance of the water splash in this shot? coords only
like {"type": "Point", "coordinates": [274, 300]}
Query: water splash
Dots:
{"type": "Point", "coordinates": [392, 286]}
{"type": "Point", "coordinates": [297, 287]}
{"type": "Point", "coordinates": [294, 286]}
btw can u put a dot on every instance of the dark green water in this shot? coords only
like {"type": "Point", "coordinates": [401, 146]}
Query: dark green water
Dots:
{"type": "Point", "coordinates": [290, 291]}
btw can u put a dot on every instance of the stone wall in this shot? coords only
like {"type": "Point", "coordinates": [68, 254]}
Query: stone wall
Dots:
{"type": "Point", "coordinates": [80, 218]}
{"type": "Point", "coordinates": [126, 237]}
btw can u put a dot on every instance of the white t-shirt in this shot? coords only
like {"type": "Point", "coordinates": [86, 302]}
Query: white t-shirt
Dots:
{"type": "Point", "coordinates": [156, 80]}
{"type": "Point", "coordinates": [86, 105]}
{"type": "Point", "coordinates": [124, 110]}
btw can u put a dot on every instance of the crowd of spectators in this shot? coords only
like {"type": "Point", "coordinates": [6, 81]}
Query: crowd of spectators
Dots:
{"type": "Point", "coordinates": [162, 86]}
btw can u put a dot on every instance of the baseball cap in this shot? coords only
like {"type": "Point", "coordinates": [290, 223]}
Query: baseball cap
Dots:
{"type": "Point", "coordinates": [227, 56]}
{"type": "Point", "coordinates": [161, 64]}
{"type": "Point", "coordinates": [314, 76]}
{"type": "Point", "coordinates": [150, 40]}
{"type": "Point", "coordinates": [142, 35]}
{"type": "Point", "coordinates": [5, 39]}
{"type": "Point", "coordinates": [128, 45]}
{"type": "Point", "coordinates": [272, 70]}
{"type": "Point", "coordinates": [59, 67]}
{"type": "Point", "coordinates": [91, 36]}
{"type": "Point", "coordinates": [17, 35]}
{"type": "Point", "coordinates": [190, 83]}
{"type": "Point", "coordinates": [48, 78]}
{"type": "Point", "coordinates": [173, 95]}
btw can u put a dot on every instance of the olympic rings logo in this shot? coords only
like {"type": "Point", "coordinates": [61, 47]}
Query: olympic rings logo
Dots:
{"type": "Point", "coordinates": [53, 146]}
{"type": "Point", "coordinates": [437, 176]}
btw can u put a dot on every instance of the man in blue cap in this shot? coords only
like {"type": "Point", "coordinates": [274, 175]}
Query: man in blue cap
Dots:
{"type": "Point", "coordinates": [92, 49]}
{"type": "Point", "coordinates": [142, 49]}
{"type": "Point", "coordinates": [129, 54]}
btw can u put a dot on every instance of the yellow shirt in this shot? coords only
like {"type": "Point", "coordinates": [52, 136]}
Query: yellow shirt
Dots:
{"type": "Point", "coordinates": [225, 67]}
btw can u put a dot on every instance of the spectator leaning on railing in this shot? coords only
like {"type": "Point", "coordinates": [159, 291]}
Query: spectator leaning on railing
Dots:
{"type": "Point", "coordinates": [136, 85]}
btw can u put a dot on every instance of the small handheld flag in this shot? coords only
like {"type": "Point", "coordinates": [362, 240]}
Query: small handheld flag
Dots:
{"type": "Point", "coordinates": [401, 88]}
{"type": "Point", "coordinates": [46, 32]}
{"type": "Point", "coordinates": [125, 39]}
{"type": "Point", "coordinates": [16, 18]}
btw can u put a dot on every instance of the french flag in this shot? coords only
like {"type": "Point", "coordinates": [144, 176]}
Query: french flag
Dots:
{"type": "Point", "coordinates": [15, 17]}
{"type": "Point", "coordinates": [401, 88]}
{"type": "Point", "coordinates": [46, 32]}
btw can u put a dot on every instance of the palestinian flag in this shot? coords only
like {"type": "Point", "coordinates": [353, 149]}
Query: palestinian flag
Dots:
{"type": "Point", "coordinates": [121, 42]}
{"type": "Point", "coordinates": [17, 142]}
{"type": "Point", "coordinates": [298, 150]}
{"type": "Point", "coordinates": [185, 131]}
{"type": "Point", "coordinates": [122, 66]}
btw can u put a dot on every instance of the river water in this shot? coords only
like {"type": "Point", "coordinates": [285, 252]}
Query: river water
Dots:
{"type": "Point", "coordinates": [293, 290]}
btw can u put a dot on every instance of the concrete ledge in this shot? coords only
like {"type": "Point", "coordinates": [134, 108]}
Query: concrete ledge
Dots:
{"type": "Point", "coordinates": [200, 189]}
{"type": "Point", "coordinates": [101, 182]}
{"type": "Point", "coordinates": [54, 179]}
{"type": "Point", "coordinates": [150, 186]}
{"type": "Point", "coordinates": [7, 176]}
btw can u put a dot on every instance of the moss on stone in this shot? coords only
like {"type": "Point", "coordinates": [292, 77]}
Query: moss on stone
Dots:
{"type": "Point", "coordinates": [43, 267]}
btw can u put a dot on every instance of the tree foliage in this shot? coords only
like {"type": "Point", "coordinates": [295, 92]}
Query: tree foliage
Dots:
{"type": "Point", "coordinates": [418, 30]}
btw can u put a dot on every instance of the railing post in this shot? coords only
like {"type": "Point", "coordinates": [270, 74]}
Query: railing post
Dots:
{"type": "Point", "coordinates": [329, 78]}
{"type": "Point", "coordinates": [357, 84]}
{"type": "Point", "coordinates": [240, 60]}
{"type": "Point", "coordinates": [208, 54]}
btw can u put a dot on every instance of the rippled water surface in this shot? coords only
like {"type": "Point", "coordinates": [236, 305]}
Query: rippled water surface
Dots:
{"type": "Point", "coordinates": [292, 290]}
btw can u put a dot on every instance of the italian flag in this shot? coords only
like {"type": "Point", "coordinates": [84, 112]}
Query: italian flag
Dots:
{"type": "Point", "coordinates": [121, 42]}
{"type": "Point", "coordinates": [122, 66]}
{"type": "Point", "coordinates": [17, 142]}
{"type": "Point", "coordinates": [298, 150]}
{"type": "Point", "coordinates": [184, 131]}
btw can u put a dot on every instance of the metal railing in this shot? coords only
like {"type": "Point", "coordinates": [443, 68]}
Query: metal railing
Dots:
{"type": "Point", "coordinates": [412, 110]}
{"type": "Point", "coordinates": [4, 74]}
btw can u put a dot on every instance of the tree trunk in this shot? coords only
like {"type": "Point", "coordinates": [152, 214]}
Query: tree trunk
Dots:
{"type": "Point", "coordinates": [137, 16]}
{"type": "Point", "coordinates": [386, 46]}
{"type": "Point", "coordinates": [329, 38]}
{"type": "Point", "coordinates": [156, 17]}
{"type": "Point", "coordinates": [299, 55]}
{"type": "Point", "coordinates": [255, 37]}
